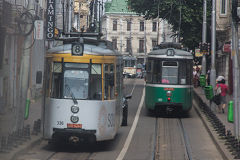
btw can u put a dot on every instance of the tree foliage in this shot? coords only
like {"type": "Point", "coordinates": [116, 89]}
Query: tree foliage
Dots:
{"type": "Point", "coordinates": [191, 16]}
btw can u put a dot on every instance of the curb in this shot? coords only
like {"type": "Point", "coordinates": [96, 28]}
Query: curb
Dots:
{"type": "Point", "coordinates": [226, 155]}
{"type": "Point", "coordinates": [25, 147]}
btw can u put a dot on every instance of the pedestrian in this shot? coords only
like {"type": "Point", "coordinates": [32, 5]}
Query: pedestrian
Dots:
{"type": "Point", "coordinates": [222, 89]}
{"type": "Point", "coordinates": [194, 77]}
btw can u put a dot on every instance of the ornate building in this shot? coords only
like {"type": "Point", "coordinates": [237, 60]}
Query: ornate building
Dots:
{"type": "Point", "coordinates": [130, 33]}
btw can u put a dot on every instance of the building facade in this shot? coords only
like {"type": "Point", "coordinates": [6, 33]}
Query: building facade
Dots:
{"type": "Point", "coordinates": [130, 33]}
{"type": "Point", "coordinates": [21, 60]}
{"type": "Point", "coordinates": [223, 38]}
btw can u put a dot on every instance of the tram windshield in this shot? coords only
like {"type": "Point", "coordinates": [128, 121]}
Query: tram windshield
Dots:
{"type": "Point", "coordinates": [76, 84]}
{"type": "Point", "coordinates": [169, 72]}
{"type": "Point", "coordinates": [76, 81]}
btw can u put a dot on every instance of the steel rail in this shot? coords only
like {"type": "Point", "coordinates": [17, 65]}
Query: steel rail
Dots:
{"type": "Point", "coordinates": [188, 151]}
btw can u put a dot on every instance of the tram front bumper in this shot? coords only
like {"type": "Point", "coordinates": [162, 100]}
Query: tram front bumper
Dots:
{"type": "Point", "coordinates": [169, 106]}
{"type": "Point", "coordinates": [73, 135]}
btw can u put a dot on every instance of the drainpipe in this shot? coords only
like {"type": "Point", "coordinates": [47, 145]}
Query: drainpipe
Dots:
{"type": "Point", "coordinates": [25, 91]}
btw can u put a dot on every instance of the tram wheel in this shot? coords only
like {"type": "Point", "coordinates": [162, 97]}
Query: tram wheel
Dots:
{"type": "Point", "coordinates": [125, 116]}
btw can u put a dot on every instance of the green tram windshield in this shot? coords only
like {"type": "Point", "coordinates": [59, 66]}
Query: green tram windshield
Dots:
{"type": "Point", "coordinates": [81, 81]}
{"type": "Point", "coordinates": [175, 72]}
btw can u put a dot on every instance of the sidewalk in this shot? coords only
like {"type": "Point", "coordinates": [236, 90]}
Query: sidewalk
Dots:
{"type": "Point", "coordinates": [13, 143]}
{"type": "Point", "coordinates": [220, 141]}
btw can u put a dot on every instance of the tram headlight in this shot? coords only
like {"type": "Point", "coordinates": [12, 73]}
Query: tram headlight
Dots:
{"type": "Point", "coordinates": [169, 93]}
{"type": "Point", "coordinates": [75, 109]}
{"type": "Point", "coordinates": [74, 119]}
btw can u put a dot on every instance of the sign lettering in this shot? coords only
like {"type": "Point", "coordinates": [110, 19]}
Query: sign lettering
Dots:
{"type": "Point", "coordinates": [50, 19]}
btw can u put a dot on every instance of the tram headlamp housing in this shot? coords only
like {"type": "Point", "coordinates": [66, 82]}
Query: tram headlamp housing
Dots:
{"type": "Point", "coordinates": [74, 119]}
{"type": "Point", "coordinates": [75, 109]}
{"type": "Point", "coordinates": [169, 93]}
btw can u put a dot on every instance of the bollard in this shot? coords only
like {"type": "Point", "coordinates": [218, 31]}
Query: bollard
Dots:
{"type": "Point", "coordinates": [230, 112]}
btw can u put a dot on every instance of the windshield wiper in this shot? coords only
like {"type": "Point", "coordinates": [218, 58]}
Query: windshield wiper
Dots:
{"type": "Point", "coordinates": [71, 93]}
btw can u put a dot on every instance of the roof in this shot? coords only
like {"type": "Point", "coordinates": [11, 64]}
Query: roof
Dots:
{"type": "Point", "coordinates": [118, 6]}
{"type": "Point", "coordinates": [92, 47]}
{"type": "Point", "coordinates": [178, 53]}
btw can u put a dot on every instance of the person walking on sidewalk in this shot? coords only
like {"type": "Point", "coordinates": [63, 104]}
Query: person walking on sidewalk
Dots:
{"type": "Point", "coordinates": [222, 89]}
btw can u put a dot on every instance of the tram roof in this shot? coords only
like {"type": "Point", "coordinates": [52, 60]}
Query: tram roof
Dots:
{"type": "Point", "coordinates": [91, 47]}
{"type": "Point", "coordinates": [178, 53]}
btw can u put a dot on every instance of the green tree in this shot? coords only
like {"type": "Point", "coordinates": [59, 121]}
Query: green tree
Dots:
{"type": "Point", "coordinates": [190, 25]}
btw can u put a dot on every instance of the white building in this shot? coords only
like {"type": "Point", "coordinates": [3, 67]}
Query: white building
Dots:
{"type": "Point", "coordinates": [130, 33]}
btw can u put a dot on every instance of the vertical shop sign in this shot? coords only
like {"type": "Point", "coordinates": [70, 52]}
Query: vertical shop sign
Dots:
{"type": "Point", "coordinates": [50, 19]}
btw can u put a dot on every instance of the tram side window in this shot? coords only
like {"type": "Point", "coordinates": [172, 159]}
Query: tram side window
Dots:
{"type": "Point", "coordinates": [109, 81]}
{"type": "Point", "coordinates": [48, 77]}
{"type": "Point", "coordinates": [157, 71]}
{"type": "Point", "coordinates": [182, 73]}
{"type": "Point", "coordinates": [56, 80]}
{"type": "Point", "coordinates": [189, 71]}
{"type": "Point", "coordinates": [96, 82]}
{"type": "Point", "coordinates": [149, 71]}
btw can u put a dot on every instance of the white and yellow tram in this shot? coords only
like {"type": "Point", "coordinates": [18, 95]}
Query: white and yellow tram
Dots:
{"type": "Point", "coordinates": [83, 92]}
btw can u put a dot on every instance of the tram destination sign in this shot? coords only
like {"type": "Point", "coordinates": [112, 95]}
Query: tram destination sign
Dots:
{"type": "Point", "coordinates": [50, 19]}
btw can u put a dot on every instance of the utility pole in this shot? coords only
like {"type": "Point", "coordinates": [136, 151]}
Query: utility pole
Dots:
{"type": "Point", "coordinates": [180, 21]}
{"type": "Point", "coordinates": [204, 35]}
{"type": "Point", "coordinates": [158, 23]}
{"type": "Point", "coordinates": [235, 52]}
{"type": "Point", "coordinates": [213, 45]}
{"type": "Point", "coordinates": [235, 77]}
{"type": "Point", "coordinates": [145, 43]}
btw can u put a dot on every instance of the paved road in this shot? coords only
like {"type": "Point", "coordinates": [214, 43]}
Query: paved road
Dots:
{"type": "Point", "coordinates": [139, 144]}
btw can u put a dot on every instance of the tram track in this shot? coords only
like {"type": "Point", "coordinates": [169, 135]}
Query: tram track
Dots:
{"type": "Point", "coordinates": [158, 142]}
{"type": "Point", "coordinates": [59, 156]}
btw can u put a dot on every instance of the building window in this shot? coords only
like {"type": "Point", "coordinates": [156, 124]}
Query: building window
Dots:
{"type": "Point", "coordinates": [128, 49]}
{"type": "Point", "coordinates": [154, 26]}
{"type": "Point", "coordinates": [141, 45]}
{"type": "Point", "coordinates": [223, 10]}
{"type": "Point", "coordinates": [114, 43]}
{"type": "Point", "coordinates": [129, 25]}
{"type": "Point", "coordinates": [114, 25]}
{"type": "Point", "coordinates": [154, 43]}
{"type": "Point", "coordinates": [141, 26]}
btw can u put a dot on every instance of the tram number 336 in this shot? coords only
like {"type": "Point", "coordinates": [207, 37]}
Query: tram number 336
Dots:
{"type": "Point", "coordinates": [59, 123]}
{"type": "Point", "coordinates": [111, 120]}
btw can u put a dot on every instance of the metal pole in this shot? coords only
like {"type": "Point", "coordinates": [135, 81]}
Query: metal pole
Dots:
{"type": "Point", "coordinates": [204, 35]}
{"type": "Point", "coordinates": [213, 48]}
{"type": "Point", "coordinates": [158, 23]}
{"type": "Point", "coordinates": [145, 43]}
{"type": "Point", "coordinates": [70, 16]}
{"type": "Point", "coordinates": [235, 77]}
{"type": "Point", "coordinates": [180, 21]}
{"type": "Point", "coordinates": [213, 45]}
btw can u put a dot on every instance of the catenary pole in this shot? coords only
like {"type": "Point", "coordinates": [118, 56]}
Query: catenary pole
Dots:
{"type": "Point", "coordinates": [213, 47]}
{"type": "Point", "coordinates": [235, 77]}
{"type": "Point", "coordinates": [204, 35]}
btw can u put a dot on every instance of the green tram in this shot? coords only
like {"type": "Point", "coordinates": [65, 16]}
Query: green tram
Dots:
{"type": "Point", "coordinates": [169, 79]}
